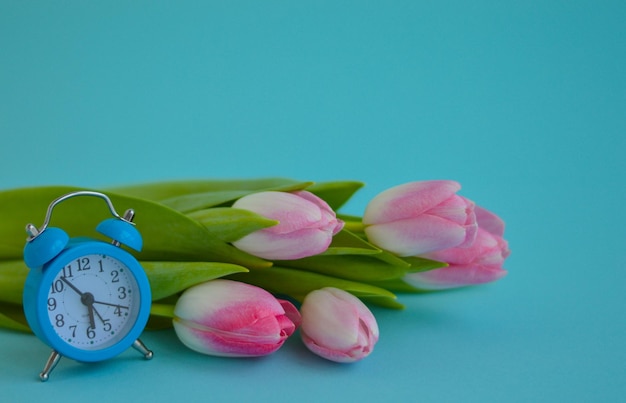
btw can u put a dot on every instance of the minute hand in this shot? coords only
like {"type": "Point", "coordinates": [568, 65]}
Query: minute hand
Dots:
{"type": "Point", "coordinates": [109, 304]}
{"type": "Point", "coordinates": [72, 286]}
{"type": "Point", "coordinates": [86, 299]}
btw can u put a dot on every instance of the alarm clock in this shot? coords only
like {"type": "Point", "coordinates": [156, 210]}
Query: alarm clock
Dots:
{"type": "Point", "coordinates": [87, 299]}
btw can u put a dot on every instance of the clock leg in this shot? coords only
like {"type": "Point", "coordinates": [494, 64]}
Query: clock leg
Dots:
{"type": "Point", "coordinates": [52, 362]}
{"type": "Point", "coordinates": [139, 346]}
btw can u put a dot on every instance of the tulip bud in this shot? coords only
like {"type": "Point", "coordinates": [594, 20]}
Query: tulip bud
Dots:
{"type": "Point", "coordinates": [420, 217]}
{"type": "Point", "coordinates": [232, 319]}
{"type": "Point", "coordinates": [306, 225]}
{"type": "Point", "coordinates": [480, 263]}
{"type": "Point", "coordinates": [337, 326]}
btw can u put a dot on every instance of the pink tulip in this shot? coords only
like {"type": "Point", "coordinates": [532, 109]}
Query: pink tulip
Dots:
{"type": "Point", "coordinates": [480, 263]}
{"type": "Point", "coordinates": [306, 225]}
{"type": "Point", "coordinates": [337, 326]}
{"type": "Point", "coordinates": [420, 217]}
{"type": "Point", "coordinates": [233, 319]}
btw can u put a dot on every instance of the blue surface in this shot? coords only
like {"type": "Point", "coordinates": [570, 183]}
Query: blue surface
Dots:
{"type": "Point", "coordinates": [524, 103]}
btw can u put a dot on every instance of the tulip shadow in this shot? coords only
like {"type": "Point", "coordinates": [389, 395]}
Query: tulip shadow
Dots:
{"type": "Point", "coordinates": [298, 353]}
{"type": "Point", "coordinates": [169, 350]}
{"type": "Point", "coordinates": [442, 314]}
{"type": "Point", "coordinates": [433, 313]}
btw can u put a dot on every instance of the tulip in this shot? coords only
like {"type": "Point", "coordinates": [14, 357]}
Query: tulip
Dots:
{"type": "Point", "coordinates": [480, 263]}
{"type": "Point", "coordinates": [233, 319]}
{"type": "Point", "coordinates": [420, 217]}
{"type": "Point", "coordinates": [337, 326]}
{"type": "Point", "coordinates": [306, 225]}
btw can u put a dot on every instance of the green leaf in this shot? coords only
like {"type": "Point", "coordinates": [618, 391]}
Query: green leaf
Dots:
{"type": "Point", "coordinates": [392, 259]}
{"type": "Point", "coordinates": [12, 317]}
{"type": "Point", "coordinates": [169, 278]}
{"type": "Point", "coordinates": [348, 243]}
{"type": "Point", "coordinates": [169, 189]}
{"type": "Point", "coordinates": [9, 323]}
{"type": "Point", "coordinates": [195, 201]}
{"type": "Point", "coordinates": [336, 193]}
{"type": "Point", "coordinates": [397, 285]}
{"type": "Point", "coordinates": [345, 242]}
{"type": "Point", "coordinates": [230, 224]}
{"type": "Point", "coordinates": [167, 234]}
{"type": "Point", "coordinates": [420, 264]}
{"type": "Point", "coordinates": [365, 268]}
{"type": "Point", "coordinates": [12, 277]}
{"type": "Point", "coordinates": [298, 283]}
{"type": "Point", "coordinates": [383, 302]}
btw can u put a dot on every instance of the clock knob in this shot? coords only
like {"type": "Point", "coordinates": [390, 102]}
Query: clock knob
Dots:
{"type": "Point", "coordinates": [45, 246]}
{"type": "Point", "coordinates": [122, 232]}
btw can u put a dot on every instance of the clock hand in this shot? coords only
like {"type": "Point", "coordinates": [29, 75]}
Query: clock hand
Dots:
{"type": "Point", "coordinates": [106, 303]}
{"type": "Point", "coordinates": [97, 313]}
{"type": "Point", "coordinates": [72, 286]}
{"type": "Point", "coordinates": [90, 311]}
{"type": "Point", "coordinates": [86, 298]}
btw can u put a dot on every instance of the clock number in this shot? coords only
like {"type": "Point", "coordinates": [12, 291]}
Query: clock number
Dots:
{"type": "Point", "coordinates": [122, 293]}
{"type": "Point", "coordinates": [107, 326]}
{"type": "Point", "coordinates": [83, 264]}
{"type": "Point", "coordinates": [52, 304]}
{"type": "Point", "coordinates": [57, 286]}
{"type": "Point", "coordinates": [60, 322]}
{"type": "Point", "coordinates": [100, 265]}
{"type": "Point", "coordinates": [73, 327]}
{"type": "Point", "coordinates": [91, 332]}
{"type": "Point", "coordinates": [115, 276]}
{"type": "Point", "coordinates": [67, 271]}
{"type": "Point", "coordinates": [118, 311]}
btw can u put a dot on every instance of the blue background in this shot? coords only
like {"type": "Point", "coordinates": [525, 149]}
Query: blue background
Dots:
{"type": "Point", "coordinates": [522, 102]}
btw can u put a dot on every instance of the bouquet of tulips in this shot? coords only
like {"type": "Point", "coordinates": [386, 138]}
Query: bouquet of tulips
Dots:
{"type": "Point", "coordinates": [237, 266]}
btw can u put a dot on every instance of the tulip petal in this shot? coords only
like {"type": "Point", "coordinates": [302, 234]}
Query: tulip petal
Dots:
{"type": "Point", "coordinates": [291, 312]}
{"type": "Point", "coordinates": [337, 326]}
{"type": "Point", "coordinates": [454, 276]}
{"type": "Point", "coordinates": [331, 354]}
{"type": "Point", "coordinates": [336, 321]}
{"type": "Point", "coordinates": [216, 342]}
{"type": "Point", "coordinates": [416, 236]}
{"type": "Point", "coordinates": [456, 209]}
{"type": "Point", "coordinates": [480, 263]}
{"type": "Point", "coordinates": [306, 225]}
{"type": "Point", "coordinates": [292, 212]}
{"type": "Point", "coordinates": [229, 318]}
{"type": "Point", "coordinates": [408, 200]}
{"type": "Point", "coordinates": [484, 245]}
{"type": "Point", "coordinates": [489, 221]}
{"type": "Point", "coordinates": [296, 245]}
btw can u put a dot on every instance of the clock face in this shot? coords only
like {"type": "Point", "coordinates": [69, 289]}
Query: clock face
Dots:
{"type": "Point", "coordinates": [93, 302]}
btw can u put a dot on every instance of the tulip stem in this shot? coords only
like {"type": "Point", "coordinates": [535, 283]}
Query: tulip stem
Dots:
{"type": "Point", "coordinates": [163, 310]}
{"type": "Point", "coordinates": [354, 226]}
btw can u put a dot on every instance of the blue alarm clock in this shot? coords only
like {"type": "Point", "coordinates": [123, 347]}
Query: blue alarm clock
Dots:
{"type": "Point", "coordinates": [87, 299]}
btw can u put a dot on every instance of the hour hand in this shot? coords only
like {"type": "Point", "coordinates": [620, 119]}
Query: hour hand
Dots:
{"type": "Point", "coordinates": [92, 320]}
{"type": "Point", "coordinates": [87, 300]}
